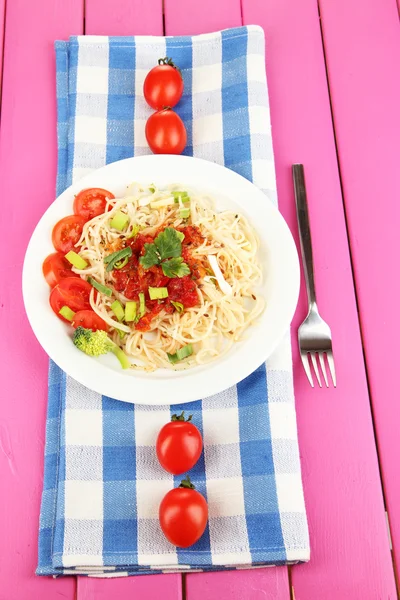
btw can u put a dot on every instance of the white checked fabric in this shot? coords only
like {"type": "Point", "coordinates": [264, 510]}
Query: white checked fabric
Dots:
{"type": "Point", "coordinates": [103, 484]}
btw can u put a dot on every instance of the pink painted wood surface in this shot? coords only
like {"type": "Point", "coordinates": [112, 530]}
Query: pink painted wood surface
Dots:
{"type": "Point", "coordinates": [143, 587]}
{"type": "Point", "coordinates": [257, 584]}
{"type": "Point", "coordinates": [350, 555]}
{"type": "Point", "coordinates": [127, 17]}
{"type": "Point", "coordinates": [123, 17]}
{"type": "Point", "coordinates": [2, 24]}
{"type": "Point", "coordinates": [27, 175]}
{"type": "Point", "coordinates": [203, 16]}
{"type": "Point", "coordinates": [366, 98]}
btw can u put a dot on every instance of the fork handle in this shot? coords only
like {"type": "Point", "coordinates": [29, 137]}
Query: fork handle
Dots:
{"type": "Point", "coordinates": [304, 229]}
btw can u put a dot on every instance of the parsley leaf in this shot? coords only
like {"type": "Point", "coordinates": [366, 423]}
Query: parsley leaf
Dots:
{"type": "Point", "coordinates": [168, 243]}
{"type": "Point", "coordinates": [175, 267]}
{"type": "Point", "coordinates": [150, 257]}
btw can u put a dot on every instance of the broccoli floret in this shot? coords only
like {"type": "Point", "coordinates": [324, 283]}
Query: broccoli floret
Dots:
{"type": "Point", "coordinates": [95, 343]}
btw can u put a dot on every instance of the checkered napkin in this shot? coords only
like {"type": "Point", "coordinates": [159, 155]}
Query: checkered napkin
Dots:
{"type": "Point", "coordinates": [102, 483]}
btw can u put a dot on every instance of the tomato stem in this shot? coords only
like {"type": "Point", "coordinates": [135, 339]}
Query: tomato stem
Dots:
{"type": "Point", "coordinates": [186, 483]}
{"type": "Point", "coordinates": [181, 417]}
{"type": "Point", "coordinates": [168, 61]}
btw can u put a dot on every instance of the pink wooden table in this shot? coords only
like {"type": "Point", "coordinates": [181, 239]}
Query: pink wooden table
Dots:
{"type": "Point", "coordinates": [334, 88]}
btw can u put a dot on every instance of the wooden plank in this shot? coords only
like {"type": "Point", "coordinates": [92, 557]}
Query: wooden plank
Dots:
{"type": "Point", "coordinates": [127, 17]}
{"type": "Point", "coordinates": [365, 99]}
{"type": "Point", "coordinates": [27, 176]}
{"type": "Point", "coordinates": [123, 17]}
{"type": "Point", "coordinates": [268, 583]}
{"type": "Point", "coordinates": [2, 26]}
{"type": "Point", "coordinates": [257, 584]}
{"type": "Point", "coordinates": [350, 556]}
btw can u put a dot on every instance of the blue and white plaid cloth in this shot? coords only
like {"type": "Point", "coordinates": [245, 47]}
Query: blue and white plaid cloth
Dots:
{"type": "Point", "coordinates": [103, 483]}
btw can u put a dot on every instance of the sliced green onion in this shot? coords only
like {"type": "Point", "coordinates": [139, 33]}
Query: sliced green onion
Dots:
{"type": "Point", "coordinates": [118, 310]}
{"type": "Point", "coordinates": [183, 196]}
{"type": "Point", "coordinates": [158, 293]}
{"type": "Point", "coordinates": [121, 334]}
{"type": "Point", "coordinates": [184, 213]}
{"type": "Point", "coordinates": [119, 221]}
{"type": "Point", "coordinates": [115, 258]}
{"type": "Point", "coordinates": [130, 311]}
{"type": "Point", "coordinates": [67, 313]}
{"type": "Point", "coordinates": [142, 305]}
{"type": "Point", "coordinates": [178, 305]}
{"type": "Point", "coordinates": [180, 354]}
{"type": "Point", "coordinates": [120, 264]}
{"type": "Point", "coordinates": [152, 189]}
{"type": "Point", "coordinates": [76, 261]}
{"type": "Point", "coordinates": [100, 287]}
{"type": "Point", "coordinates": [180, 235]}
{"type": "Point", "coordinates": [134, 232]}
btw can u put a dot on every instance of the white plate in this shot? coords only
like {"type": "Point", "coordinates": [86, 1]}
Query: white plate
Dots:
{"type": "Point", "coordinates": [281, 274]}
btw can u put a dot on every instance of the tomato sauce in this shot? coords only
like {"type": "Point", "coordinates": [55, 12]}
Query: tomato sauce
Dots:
{"type": "Point", "coordinates": [133, 279]}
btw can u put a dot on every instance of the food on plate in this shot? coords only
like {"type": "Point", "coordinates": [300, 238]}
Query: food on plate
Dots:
{"type": "Point", "coordinates": [96, 343]}
{"type": "Point", "coordinates": [183, 515]}
{"type": "Point", "coordinates": [163, 86]}
{"type": "Point", "coordinates": [170, 280]}
{"type": "Point", "coordinates": [91, 202]}
{"type": "Point", "coordinates": [166, 132]}
{"type": "Point", "coordinates": [179, 445]}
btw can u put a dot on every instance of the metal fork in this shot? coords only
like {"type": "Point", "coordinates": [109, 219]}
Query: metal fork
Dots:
{"type": "Point", "coordinates": [315, 338]}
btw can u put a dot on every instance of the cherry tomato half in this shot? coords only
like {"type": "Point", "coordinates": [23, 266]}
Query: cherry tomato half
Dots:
{"type": "Point", "coordinates": [91, 202]}
{"type": "Point", "coordinates": [56, 267]}
{"type": "Point", "coordinates": [183, 515]}
{"type": "Point", "coordinates": [165, 132]}
{"type": "Point", "coordinates": [163, 85]}
{"type": "Point", "coordinates": [179, 445]}
{"type": "Point", "coordinates": [73, 292]}
{"type": "Point", "coordinates": [66, 233]}
{"type": "Point", "coordinates": [89, 320]}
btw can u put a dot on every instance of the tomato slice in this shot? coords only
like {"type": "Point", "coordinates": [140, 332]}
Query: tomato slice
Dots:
{"type": "Point", "coordinates": [73, 292]}
{"type": "Point", "coordinates": [56, 267]}
{"type": "Point", "coordinates": [90, 320]}
{"type": "Point", "coordinates": [91, 202]}
{"type": "Point", "coordinates": [66, 233]}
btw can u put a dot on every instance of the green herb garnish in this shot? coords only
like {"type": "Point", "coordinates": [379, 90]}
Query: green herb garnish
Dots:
{"type": "Point", "coordinates": [166, 247]}
{"type": "Point", "coordinates": [175, 267]}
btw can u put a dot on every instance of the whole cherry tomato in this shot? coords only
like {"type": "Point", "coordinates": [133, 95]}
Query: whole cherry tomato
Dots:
{"type": "Point", "coordinates": [165, 132]}
{"type": "Point", "coordinates": [163, 86]}
{"type": "Point", "coordinates": [179, 445]}
{"type": "Point", "coordinates": [183, 515]}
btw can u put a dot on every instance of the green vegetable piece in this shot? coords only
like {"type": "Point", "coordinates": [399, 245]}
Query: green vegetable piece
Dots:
{"type": "Point", "coordinates": [135, 230]}
{"type": "Point", "coordinates": [95, 343]}
{"type": "Point", "coordinates": [175, 267]}
{"type": "Point", "coordinates": [118, 310]}
{"type": "Point", "coordinates": [100, 287]}
{"type": "Point", "coordinates": [111, 259]}
{"type": "Point", "coordinates": [152, 189]}
{"type": "Point", "coordinates": [178, 306]}
{"type": "Point", "coordinates": [180, 354]}
{"type": "Point", "coordinates": [121, 334]}
{"type": "Point", "coordinates": [142, 305]}
{"type": "Point", "coordinates": [150, 257]}
{"type": "Point", "coordinates": [130, 311]}
{"type": "Point", "coordinates": [119, 221]}
{"type": "Point", "coordinates": [184, 213]}
{"type": "Point", "coordinates": [180, 235]}
{"type": "Point", "coordinates": [120, 264]}
{"type": "Point", "coordinates": [158, 293]}
{"type": "Point", "coordinates": [67, 313]}
{"type": "Point", "coordinates": [76, 261]}
{"type": "Point", "coordinates": [168, 243]}
{"type": "Point", "coordinates": [183, 196]}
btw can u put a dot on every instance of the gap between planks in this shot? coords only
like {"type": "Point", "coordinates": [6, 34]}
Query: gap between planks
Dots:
{"type": "Point", "coordinates": [354, 285]}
